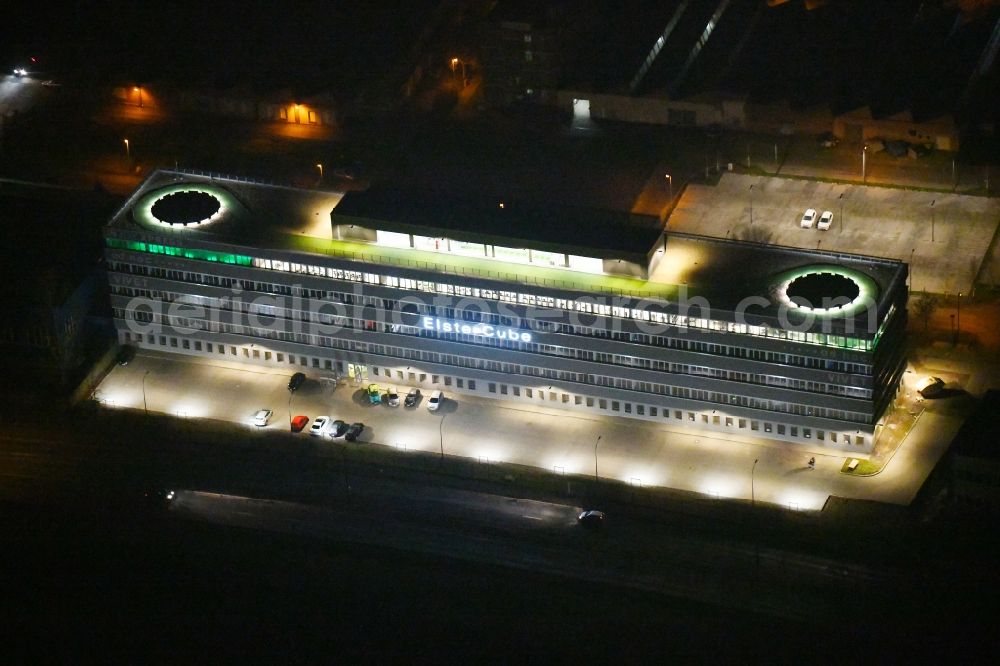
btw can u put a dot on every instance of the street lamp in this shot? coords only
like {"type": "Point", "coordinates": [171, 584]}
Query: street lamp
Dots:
{"type": "Point", "coordinates": [138, 89]}
{"type": "Point", "coordinates": [320, 167]}
{"type": "Point", "coordinates": [670, 184]}
{"type": "Point", "coordinates": [841, 199]}
{"type": "Point", "coordinates": [958, 317]}
{"type": "Point", "coordinates": [596, 478]}
{"type": "Point", "coordinates": [909, 269]}
{"type": "Point", "coordinates": [454, 63]}
{"type": "Point", "coordinates": [864, 164]}
{"type": "Point", "coordinates": [441, 434]}
{"type": "Point", "coordinates": [751, 204]}
{"type": "Point", "coordinates": [128, 150]}
{"type": "Point", "coordinates": [932, 219]}
{"type": "Point", "coordinates": [144, 407]}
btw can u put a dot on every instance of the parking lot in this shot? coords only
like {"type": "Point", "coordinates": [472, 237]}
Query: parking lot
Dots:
{"type": "Point", "coordinates": [944, 236]}
{"type": "Point", "coordinates": [491, 431]}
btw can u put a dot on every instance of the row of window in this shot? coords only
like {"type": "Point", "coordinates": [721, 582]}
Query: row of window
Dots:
{"type": "Point", "coordinates": [834, 388]}
{"type": "Point", "coordinates": [587, 304]}
{"type": "Point", "coordinates": [514, 368]}
{"type": "Point", "coordinates": [542, 325]}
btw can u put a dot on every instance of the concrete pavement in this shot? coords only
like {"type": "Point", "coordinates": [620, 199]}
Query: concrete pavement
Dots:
{"type": "Point", "coordinates": [490, 431]}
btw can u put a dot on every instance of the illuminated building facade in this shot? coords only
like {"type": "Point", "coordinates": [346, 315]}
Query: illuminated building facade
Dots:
{"type": "Point", "coordinates": [589, 311]}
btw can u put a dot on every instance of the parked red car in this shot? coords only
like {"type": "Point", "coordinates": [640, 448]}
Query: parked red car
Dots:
{"type": "Point", "coordinates": [299, 422]}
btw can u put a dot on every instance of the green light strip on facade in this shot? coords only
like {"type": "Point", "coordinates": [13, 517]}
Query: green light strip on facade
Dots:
{"type": "Point", "coordinates": [187, 253]}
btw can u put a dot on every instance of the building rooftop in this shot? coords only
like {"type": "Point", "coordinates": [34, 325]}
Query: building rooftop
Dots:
{"type": "Point", "coordinates": [603, 233]}
{"type": "Point", "coordinates": [731, 276]}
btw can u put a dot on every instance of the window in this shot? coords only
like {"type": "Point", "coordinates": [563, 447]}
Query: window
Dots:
{"type": "Point", "coordinates": [616, 406]}
{"type": "Point", "coordinates": [781, 429]}
{"type": "Point", "coordinates": [517, 391]}
{"type": "Point", "coordinates": [640, 410]}
{"type": "Point", "coordinates": [767, 427]}
{"type": "Point", "coordinates": [492, 387]}
{"type": "Point", "coordinates": [795, 431]}
{"type": "Point", "coordinates": [437, 378]}
{"type": "Point", "coordinates": [447, 381]}
{"type": "Point", "coordinates": [755, 425]}
{"type": "Point", "coordinates": [690, 416]}
{"type": "Point", "coordinates": [460, 382]}
{"type": "Point", "coordinates": [565, 398]}
{"type": "Point", "coordinates": [807, 433]}
{"type": "Point", "coordinates": [527, 392]}
{"type": "Point", "coordinates": [197, 345]}
{"type": "Point", "coordinates": [602, 403]}
{"type": "Point", "coordinates": [590, 402]}
{"type": "Point", "coordinates": [281, 357]}
{"type": "Point", "coordinates": [375, 371]}
{"type": "Point", "coordinates": [472, 384]}
{"type": "Point", "coordinates": [503, 389]}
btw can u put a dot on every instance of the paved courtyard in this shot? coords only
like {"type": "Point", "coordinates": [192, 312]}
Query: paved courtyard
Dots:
{"type": "Point", "coordinates": [633, 452]}
{"type": "Point", "coordinates": [945, 243]}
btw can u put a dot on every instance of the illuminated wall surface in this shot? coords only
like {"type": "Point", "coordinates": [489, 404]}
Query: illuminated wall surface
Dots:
{"type": "Point", "coordinates": [498, 252]}
{"type": "Point", "coordinates": [143, 209]}
{"type": "Point", "coordinates": [203, 255]}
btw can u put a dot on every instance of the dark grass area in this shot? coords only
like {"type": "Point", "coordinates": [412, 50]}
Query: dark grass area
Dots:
{"type": "Point", "coordinates": [158, 589]}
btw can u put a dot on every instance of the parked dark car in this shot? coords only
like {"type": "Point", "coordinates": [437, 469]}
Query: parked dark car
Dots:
{"type": "Point", "coordinates": [296, 381]}
{"type": "Point", "coordinates": [125, 354]}
{"type": "Point", "coordinates": [354, 431]}
{"type": "Point", "coordinates": [412, 398]}
{"type": "Point", "coordinates": [338, 428]}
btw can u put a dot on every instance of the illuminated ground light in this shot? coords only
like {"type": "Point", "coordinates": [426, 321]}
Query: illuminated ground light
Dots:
{"type": "Point", "coordinates": [843, 291]}
{"type": "Point", "coordinates": [184, 206]}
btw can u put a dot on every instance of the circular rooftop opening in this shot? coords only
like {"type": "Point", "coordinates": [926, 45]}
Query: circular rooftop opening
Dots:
{"type": "Point", "coordinates": [822, 290]}
{"type": "Point", "coordinates": [186, 208]}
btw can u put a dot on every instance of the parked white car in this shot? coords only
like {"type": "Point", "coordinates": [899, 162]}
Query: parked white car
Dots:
{"type": "Point", "coordinates": [262, 417]}
{"type": "Point", "coordinates": [825, 220]}
{"type": "Point", "coordinates": [319, 426]}
{"type": "Point", "coordinates": [435, 400]}
{"type": "Point", "coordinates": [808, 219]}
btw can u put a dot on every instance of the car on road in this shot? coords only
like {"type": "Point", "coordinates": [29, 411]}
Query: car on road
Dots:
{"type": "Point", "coordinates": [354, 431]}
{"type": "Point", "coordinates": [374, 394]}
{"type": "Point", "coordinates": [412, 398]}
{"type": "Point", "coordinates": [825, 220]}
{"type": "Point", "coordinates": [808, 219]}
{"type": "Point", "coordinates": [319, 425]}
{"type": "Point", "coordinates": [296, 381]}
{"type": "Point", "coordinates": [299, 422]}
{"type": "Point", "coordinates": [338, 428]}
{"type": "Point", "coordinates": [591, 518]}
{"type": "Point", "coordinates": [125, 354]}
{"type": "Point", "coordinates": [392, 397]}
{"type": "Point", "coordinates": [435, 400]}
{"type": "Point", "coordinates": [262, 417]}
{"type": "Point", "coordinates": [158, 496]}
